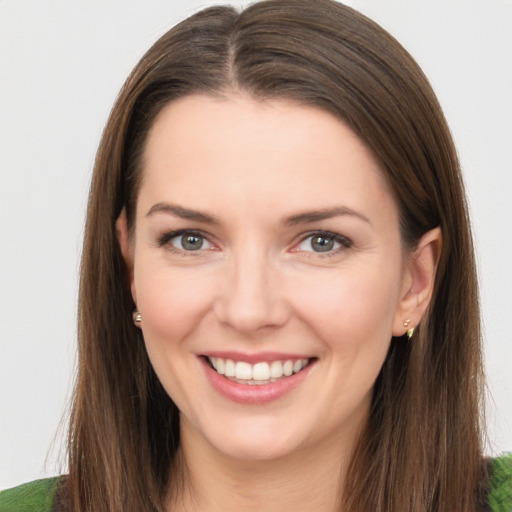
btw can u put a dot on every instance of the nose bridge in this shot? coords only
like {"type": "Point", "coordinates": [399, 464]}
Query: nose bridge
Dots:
{"type": "Point", "coordinates": [251, 298]}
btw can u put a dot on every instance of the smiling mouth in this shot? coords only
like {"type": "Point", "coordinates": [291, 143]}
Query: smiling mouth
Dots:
{"type": "Point", "coordinates": [243, 372]}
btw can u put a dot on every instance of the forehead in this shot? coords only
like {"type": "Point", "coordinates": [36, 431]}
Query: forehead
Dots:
{"type": "Point", "coordinates": [206, 148]}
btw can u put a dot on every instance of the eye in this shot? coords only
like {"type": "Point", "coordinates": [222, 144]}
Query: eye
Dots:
{"type": "Point", "coordinates": [323, 243]}
{"type": "Point", "coordinates": [187, 241]}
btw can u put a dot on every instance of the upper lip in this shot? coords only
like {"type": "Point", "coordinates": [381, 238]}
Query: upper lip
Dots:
{"type": "Point", "coordinates": [256, 357]}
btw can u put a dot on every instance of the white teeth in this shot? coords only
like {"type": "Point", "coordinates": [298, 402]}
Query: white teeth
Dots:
{"type": "Point", "coordinates": [276, 369]}
{"type": "Point", "coordinates": [229, 368]}
{"type": "Point", "coordinates": [243, 371]}
{"type": "Point", "coordinates": [259, 373]}
{"type": "Point", "coordinates": [288, 368]}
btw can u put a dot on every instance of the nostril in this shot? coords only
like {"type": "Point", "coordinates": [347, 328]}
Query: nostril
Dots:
{"type": "Point", "coordinates": [251, 315]}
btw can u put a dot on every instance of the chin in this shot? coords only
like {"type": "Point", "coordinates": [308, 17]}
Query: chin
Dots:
{"type": "Point", "coordinates": [254, 439]}
{"type": "Point", "coordinates": [257, 449]}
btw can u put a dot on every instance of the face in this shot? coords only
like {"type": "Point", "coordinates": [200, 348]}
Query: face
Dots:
{"type": "Point", "coordinates": [266, 246]}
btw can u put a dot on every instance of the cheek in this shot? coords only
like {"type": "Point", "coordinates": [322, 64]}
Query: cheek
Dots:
{"type": "Point", "coordinates": [171, 302]}
{"type": "Point", "coordinates": [351, 308]}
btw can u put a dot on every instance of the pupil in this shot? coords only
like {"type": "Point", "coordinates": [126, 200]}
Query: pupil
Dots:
{"type": "Point", "coordinates": [191, 242]}
{"type": "Point", "coordinates": [322, 244]}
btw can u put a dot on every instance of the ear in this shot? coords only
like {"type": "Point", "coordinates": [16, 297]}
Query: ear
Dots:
{"type": "Point", "coordinates": [418, 282]}
{"type": "Point", "coordinates": [126, 248]}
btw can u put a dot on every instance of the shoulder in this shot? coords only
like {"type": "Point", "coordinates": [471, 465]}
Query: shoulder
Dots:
{"type": "Point", "coordinates": [500, 484]}
{"type": "Point", "coordinates": [36, 496]}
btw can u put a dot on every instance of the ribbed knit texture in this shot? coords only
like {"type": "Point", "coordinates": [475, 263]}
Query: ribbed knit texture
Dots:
{"type": "Point", "coordinates": [34, 496]}
{"type": "Point", "coordinates": [500, 494]}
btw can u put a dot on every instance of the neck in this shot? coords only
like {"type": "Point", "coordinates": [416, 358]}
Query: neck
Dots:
{"type": "Point", "coordinates": [302, 481]}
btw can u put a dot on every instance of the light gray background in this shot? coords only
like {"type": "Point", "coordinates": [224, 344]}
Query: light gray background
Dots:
{"type": "Point", "coordinates": [61, 65]}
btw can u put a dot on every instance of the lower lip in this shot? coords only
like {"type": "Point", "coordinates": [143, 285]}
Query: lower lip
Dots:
{"type": "Point", "coordinates": [257, 393]}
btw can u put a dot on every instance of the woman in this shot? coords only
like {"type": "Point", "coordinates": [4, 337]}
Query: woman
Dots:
{"type": "Point", "coordinates": [278, 302]}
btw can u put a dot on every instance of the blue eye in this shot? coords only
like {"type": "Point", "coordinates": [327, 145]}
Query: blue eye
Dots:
{"type": "Point", "coordinates": [323, 243]}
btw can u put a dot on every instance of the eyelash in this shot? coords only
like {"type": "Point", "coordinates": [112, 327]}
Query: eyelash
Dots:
{"type": "Point", "coordinates": [344, 242]}
{"type": "Point", "coordinates": [167, 237]}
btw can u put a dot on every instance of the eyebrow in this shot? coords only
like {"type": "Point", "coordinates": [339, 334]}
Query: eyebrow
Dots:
{"type": "Point", "coordinates": [327, 213]}
{"type": "Point", "coordinates": [183, 213]}
{"type": "Point", "coordinates": [293, 220]}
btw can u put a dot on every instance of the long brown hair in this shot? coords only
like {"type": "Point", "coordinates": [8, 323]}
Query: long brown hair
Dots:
{"type": "Point", "coordinates": [421, 449]}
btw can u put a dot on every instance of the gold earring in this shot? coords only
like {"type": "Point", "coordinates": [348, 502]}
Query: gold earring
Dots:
{"type": "Point", "coordinates": [137, 318]}
{"type": "Point", "coordinates": [411, 330]}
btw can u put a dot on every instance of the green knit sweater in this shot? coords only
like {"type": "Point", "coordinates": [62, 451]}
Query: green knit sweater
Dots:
{"type": "Point", "coordinates": [37, 496]}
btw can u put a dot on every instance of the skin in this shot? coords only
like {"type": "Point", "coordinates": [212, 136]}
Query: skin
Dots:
{"type": "Point", "coordinates": [257, 285]}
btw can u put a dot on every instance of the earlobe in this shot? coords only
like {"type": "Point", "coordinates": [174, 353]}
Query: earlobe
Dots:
{"type": "Point", "coordinates": [419, 282]}
{"type": "Point", "coordinates": [126, 249]}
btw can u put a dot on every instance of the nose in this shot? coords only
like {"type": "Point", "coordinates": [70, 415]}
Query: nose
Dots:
{"type": "Point", "coordinates": [252, 298]}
